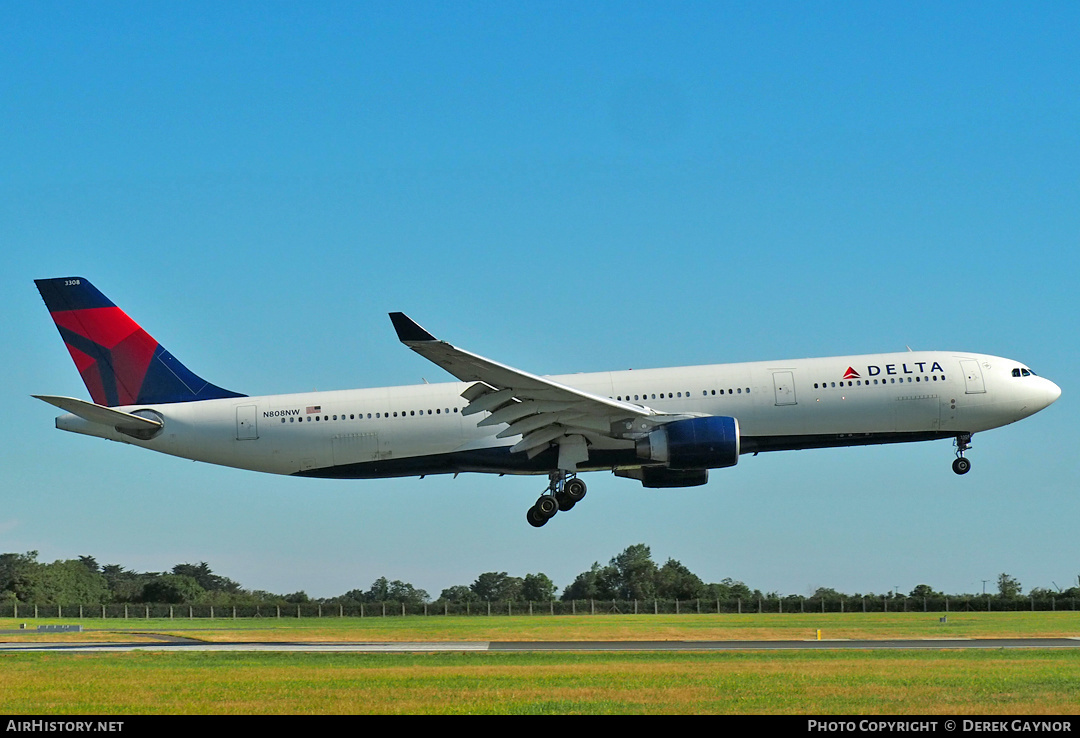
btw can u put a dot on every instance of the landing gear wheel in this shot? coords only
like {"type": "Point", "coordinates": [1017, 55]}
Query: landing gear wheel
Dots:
{"type": "Point", "coordinates": [562, 494]}
{"type": "Point", "coordinates": [546, 507]}
{"type": "Point", "coordinates": [574, 490]}
{"type": "Point", "coordinates": [962, 443]}
{"type": "Point", "coordinates": [535, 520]}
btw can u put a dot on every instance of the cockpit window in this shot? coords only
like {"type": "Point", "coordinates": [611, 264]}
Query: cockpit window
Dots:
{"type": "Point", "coordinates": [1016, 372]}
{"type": "Point", "coordinates": [1026, 372]}
{"type": "Point", "coordinates": [1022, 372]}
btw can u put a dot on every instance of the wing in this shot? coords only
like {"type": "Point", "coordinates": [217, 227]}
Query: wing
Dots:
{"type": "Point", "coordinates": [542, 411]}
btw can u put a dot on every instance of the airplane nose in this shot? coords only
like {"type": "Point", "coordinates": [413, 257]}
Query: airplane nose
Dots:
{"type": "Point", "coordinates": [1052, 392]}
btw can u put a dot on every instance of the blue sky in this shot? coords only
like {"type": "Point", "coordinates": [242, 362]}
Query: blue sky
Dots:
{"type": "Point", "coordinates": [561, 188]}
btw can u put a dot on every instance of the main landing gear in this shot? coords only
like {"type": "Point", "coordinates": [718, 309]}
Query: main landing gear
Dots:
{"type": "Point", "coordinates": [563, 492]}
{"type": "Point", "coordinates": [962, 443]}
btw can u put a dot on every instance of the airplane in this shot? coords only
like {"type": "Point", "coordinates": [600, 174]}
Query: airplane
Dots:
{"type": "Point", "coordinates": [662, 427]}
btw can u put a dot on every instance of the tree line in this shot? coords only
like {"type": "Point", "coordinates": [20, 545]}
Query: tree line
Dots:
{"type": "Point", "coordinates": [630, 575]}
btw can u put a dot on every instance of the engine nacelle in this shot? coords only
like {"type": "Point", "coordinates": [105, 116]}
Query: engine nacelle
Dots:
{"type": "Point", "coordinates": [657, 477]}
{"type": "Point", "coordinates": [695, 443]}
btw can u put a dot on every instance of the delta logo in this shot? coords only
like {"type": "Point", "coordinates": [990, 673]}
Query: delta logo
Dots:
{"type": "Point", "coordinates": [917, 367]}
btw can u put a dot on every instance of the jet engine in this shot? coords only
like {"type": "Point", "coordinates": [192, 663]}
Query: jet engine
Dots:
{"type": "Point", "coordinates": [657, 477]}
{"type": "Point", "coordinates": [695, 443]}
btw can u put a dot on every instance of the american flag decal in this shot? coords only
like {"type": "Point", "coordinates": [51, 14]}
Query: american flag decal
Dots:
{"type": "Point", "coordinates": [314, 409]}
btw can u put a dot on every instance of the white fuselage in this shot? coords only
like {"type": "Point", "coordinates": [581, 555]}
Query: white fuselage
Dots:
{"type": "Point", "coordinates": [420, 429]}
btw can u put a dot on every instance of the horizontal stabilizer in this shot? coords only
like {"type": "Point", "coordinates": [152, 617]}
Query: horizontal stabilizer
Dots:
{"type": "Point", "coordinates": [101, 414]}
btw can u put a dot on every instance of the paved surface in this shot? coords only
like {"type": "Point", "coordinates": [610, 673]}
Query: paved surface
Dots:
{"type": "Point", "coordinates": [427, 647]}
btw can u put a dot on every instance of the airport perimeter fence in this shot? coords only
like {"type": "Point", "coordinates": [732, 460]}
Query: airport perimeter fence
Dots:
{"type": "Point", "coordinates": [772, 605]}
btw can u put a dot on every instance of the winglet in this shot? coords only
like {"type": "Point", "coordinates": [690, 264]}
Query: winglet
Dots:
{"type": "Point", "coordinates": [407, 329]}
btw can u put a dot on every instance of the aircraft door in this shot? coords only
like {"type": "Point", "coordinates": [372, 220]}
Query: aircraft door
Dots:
{"type": "Point", "coordinates": [784, 387]}
{"type": "Point", "coordinates": [973, 378]}
{"type": "Point", "coordinates": [247, 425]}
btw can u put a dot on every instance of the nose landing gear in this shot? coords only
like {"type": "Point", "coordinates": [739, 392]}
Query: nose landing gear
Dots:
{"type": "Point", "coordinates": [563, 492]}
{"type": "Point", "coordinates": [962, 443]}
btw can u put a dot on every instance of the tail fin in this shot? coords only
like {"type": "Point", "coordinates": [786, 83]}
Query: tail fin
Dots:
{"type": "Point", "coordinates": [119, 362]}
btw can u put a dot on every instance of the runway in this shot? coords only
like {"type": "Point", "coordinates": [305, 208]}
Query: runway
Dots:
{"type": "Point", "coordinates": [519, 646]}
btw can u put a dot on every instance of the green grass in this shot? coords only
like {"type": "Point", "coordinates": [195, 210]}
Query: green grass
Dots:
{"type": "Point", "coordinates": [950, 682]}
{"type": "Point", "coordinates": [582, 627]}
{"type": "Point", "coordinates": [819, 682]}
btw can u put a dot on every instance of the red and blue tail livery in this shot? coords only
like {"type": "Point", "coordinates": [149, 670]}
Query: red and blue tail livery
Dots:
{"type": "Point", "coordinates": [120, 363]}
